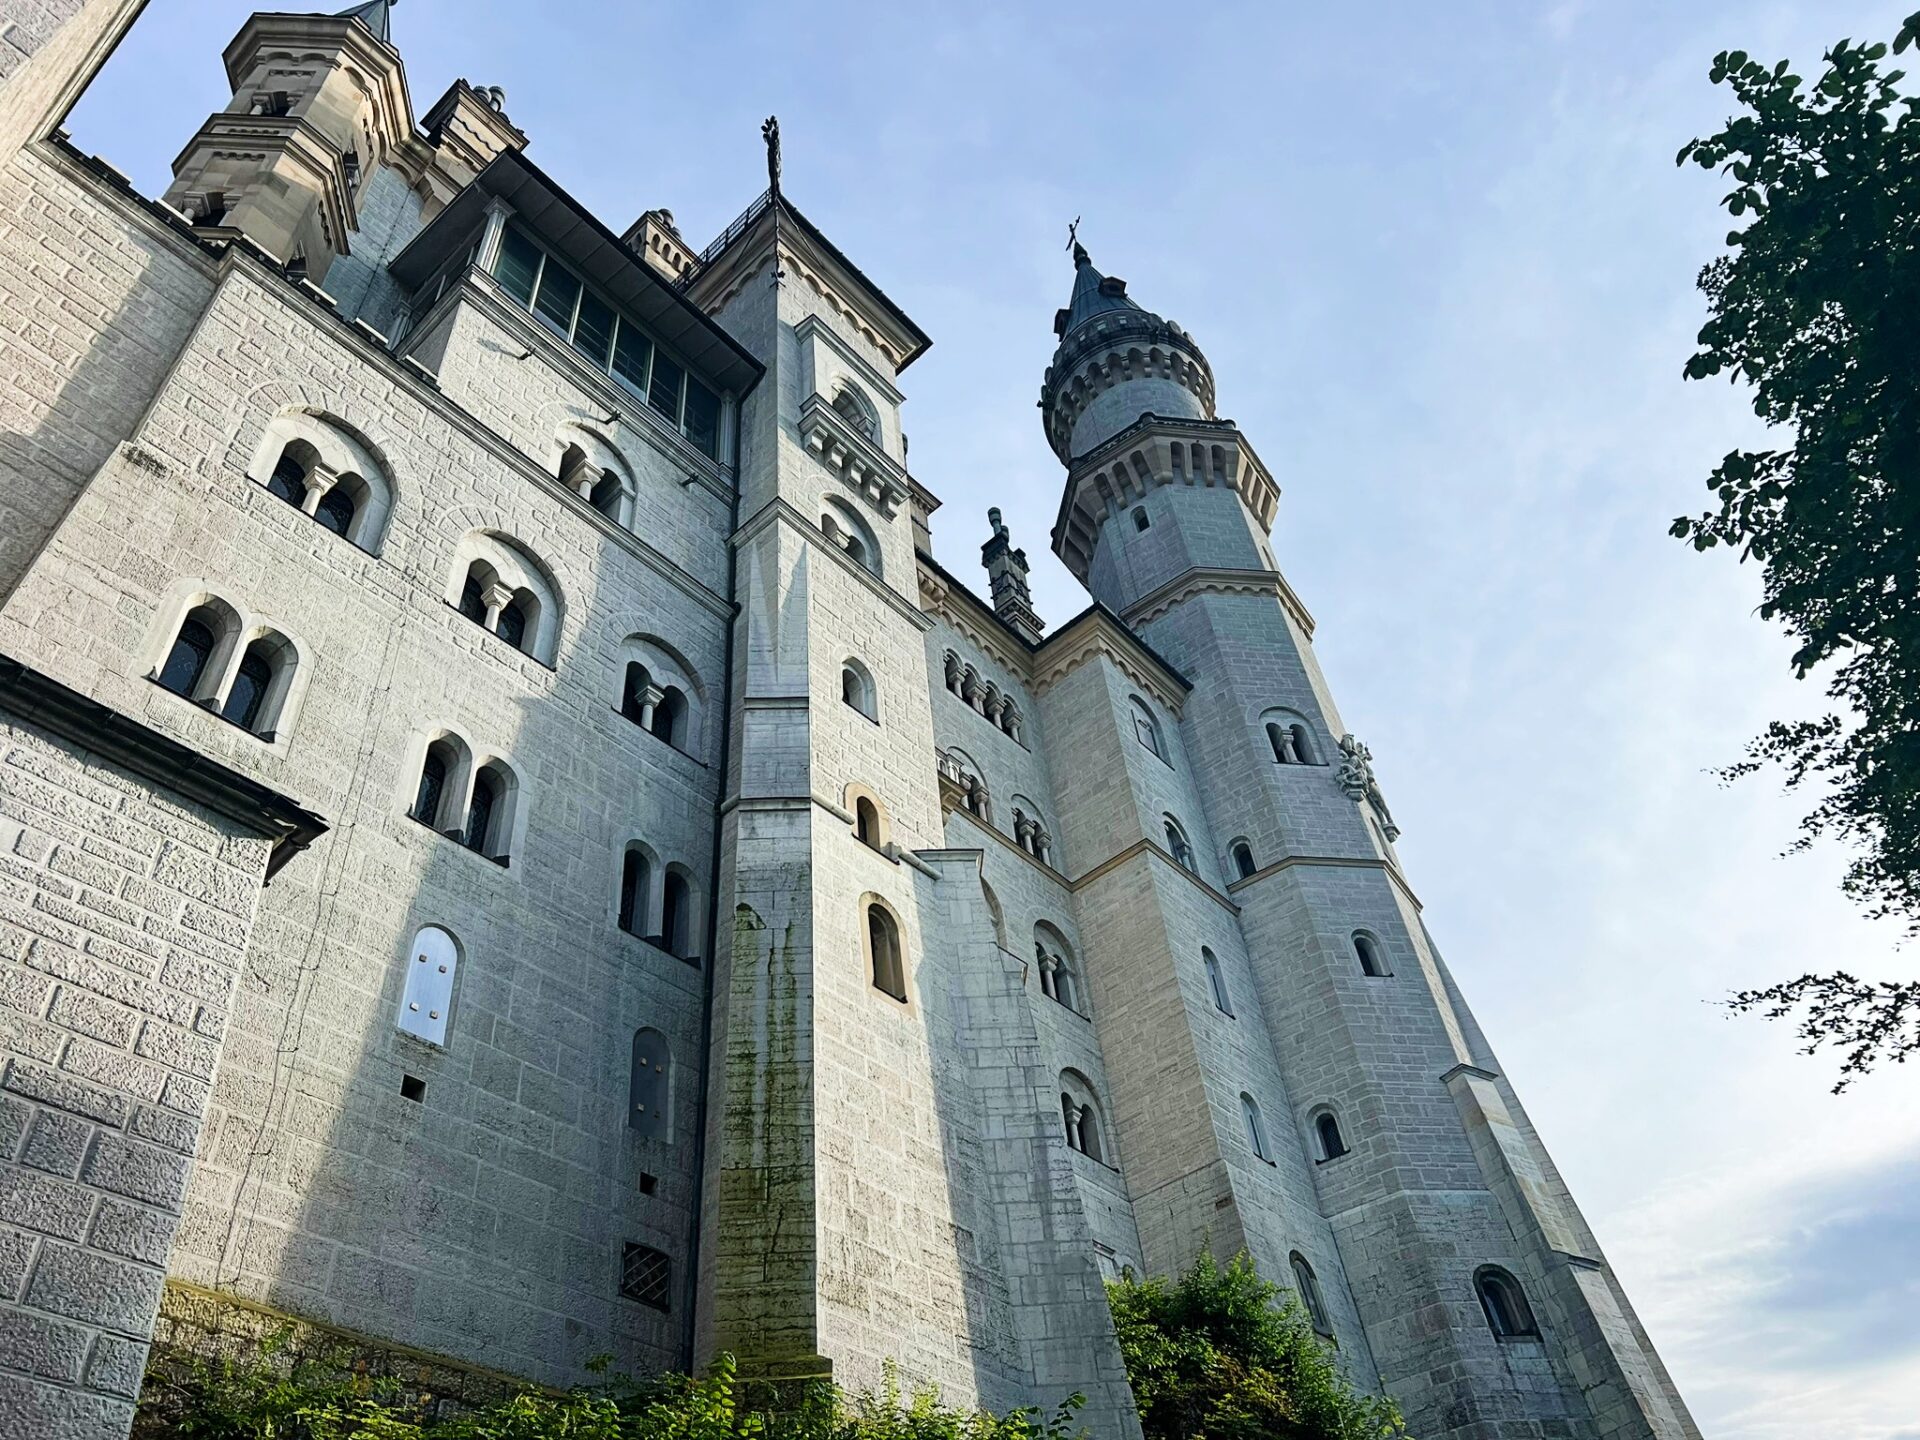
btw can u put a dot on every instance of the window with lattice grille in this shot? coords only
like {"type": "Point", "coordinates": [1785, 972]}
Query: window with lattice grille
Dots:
{"type": "Point", "coordinates": [646, 1275]}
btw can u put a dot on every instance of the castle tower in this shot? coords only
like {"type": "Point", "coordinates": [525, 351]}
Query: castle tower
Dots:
{"type": "Point", "coordinates": [318, 102]}
{"type": "Point", "coordinates": [1400, 1170]}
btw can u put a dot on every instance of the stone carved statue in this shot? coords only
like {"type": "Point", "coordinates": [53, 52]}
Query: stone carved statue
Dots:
{"type": "Point", "coordinates": [770, 132]}
{"type": "Point", "coordinates": [1356, 780]}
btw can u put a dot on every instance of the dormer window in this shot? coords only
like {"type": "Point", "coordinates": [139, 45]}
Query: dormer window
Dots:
{"type": "Point", "coordinates": [607, 339]}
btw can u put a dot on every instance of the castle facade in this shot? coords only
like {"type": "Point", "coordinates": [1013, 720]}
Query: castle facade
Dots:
{"type": "Point", "coordinates": [512, 848]}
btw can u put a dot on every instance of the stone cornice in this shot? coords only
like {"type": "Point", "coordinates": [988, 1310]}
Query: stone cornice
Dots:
{"type": "Point", "coordinates": [1203, 581]}
{"type": "Point", "coordinates": [813, 326]}
{"type": "Point", "coordinates": [967, 613]}
{"type": "Point", "coordinates": [1332, 862]}
{"type": "Point", "coordinates": [175, 769]}
{"type": "Point", "coordinates": [1145, 846]}
{"type": "Point", "coordinates": [860, 464]}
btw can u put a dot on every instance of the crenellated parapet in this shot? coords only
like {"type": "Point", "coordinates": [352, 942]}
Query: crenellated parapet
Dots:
{"type": "Point", "coordinates": [1118, 349]}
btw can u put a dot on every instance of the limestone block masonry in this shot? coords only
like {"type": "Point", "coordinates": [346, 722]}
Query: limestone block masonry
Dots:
{"type": "Point", "coordinates": [512, 849]}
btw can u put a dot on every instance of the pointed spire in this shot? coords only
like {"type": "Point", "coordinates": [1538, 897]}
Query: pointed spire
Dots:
{"type": "Point", "coordinates": [376, 15]}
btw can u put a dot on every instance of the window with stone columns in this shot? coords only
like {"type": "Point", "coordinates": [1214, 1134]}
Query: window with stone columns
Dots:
{"type": "Point", "coordinates": [1081, 1117]}
{"type": "Point", "coordinates": [499, 586]}
{"type": "Point", "coordinates": [598, 473]}
{"type": "Point", "coordinates": [1060, 977]}
{"type": "Point", "coordinates": [328, 471]}
{"type": "Point", "coordinates": [1030, 832]}
{"type": "Point", "coordinates": [1290, 738]}
{"type": "Point", "coordinates": [661, 694]}
{"type": "Point", "coordinates": [850, 534]}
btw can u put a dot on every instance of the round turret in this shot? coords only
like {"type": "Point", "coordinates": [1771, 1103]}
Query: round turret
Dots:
{"type": "Point", "coordinates": [1115, 363]}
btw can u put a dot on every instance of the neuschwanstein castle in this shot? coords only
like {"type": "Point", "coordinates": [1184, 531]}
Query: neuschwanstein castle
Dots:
{"type": "Point", "coordinates": [512, 848]}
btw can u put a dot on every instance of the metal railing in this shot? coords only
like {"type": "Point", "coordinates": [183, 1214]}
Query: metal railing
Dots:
{"type": "Point", "coordinates": [727, 236]}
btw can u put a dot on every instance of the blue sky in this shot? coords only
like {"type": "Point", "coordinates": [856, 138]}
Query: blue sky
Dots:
{"type": "Point", "coordinates": [1442, 266]}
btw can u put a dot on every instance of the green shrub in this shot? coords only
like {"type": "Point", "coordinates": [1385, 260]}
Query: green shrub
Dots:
{"type": "Point", "coordinates": [270, 1397]}
{"type": "Point", "coordinates": [1214, 1355]}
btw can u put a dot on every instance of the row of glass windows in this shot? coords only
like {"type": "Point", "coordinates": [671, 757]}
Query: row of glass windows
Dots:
{"type": "Point", "coordinates": [607, 338]}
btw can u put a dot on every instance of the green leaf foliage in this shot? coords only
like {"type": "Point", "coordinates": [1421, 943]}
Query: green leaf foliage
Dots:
{"type": "Point", "coordinates": [261, 1397]}
{"type": "Point", "coordinates": [1221, 1354]}
{"type": "Point", "coordinates": [1813, 310]}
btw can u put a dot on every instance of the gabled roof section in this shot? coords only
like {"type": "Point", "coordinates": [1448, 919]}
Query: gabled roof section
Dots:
{"type": "Point", "coordinates": [904, 338]}
{"type": "Point", "coordinates": [571, 232]}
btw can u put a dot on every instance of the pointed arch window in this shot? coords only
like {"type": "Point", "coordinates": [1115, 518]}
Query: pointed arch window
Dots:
{"type": "Point", "coordinates": [1311, 1300]}
{"type": "Point", "coordinates": [1505, 1303]}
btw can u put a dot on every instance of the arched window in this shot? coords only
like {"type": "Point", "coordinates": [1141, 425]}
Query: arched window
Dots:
{"type": "Point", "coordinates": [1145, 728]}
{"type": "Point", "coordinates": [432, 790]}
{"type": "Point", "coordinates": [1140, 521]}
{"type": "Point", "coordinates": [1256, 1129]}
{"type": "Point", "coordinates": [847, 531]}
{"type": "Point", "coordinates": [1243, 860]}
{"type": "Point", "coordinates": [857, 689]}
{"type": "Point", "coordinates": [1326, 1129]}
{"type": "Point", "coordinates": [606, 496]}
{"type": "Point", "coordinates": [260, 682]}
{"type": "Point", "coordinates": [186, 670]}
{"type": "Point", "coordinates": [650, 1086]}
{"type": "Point", "coordinates": [1368, 950]}
{"type": "Point", "coordinates": [1177, 845]}
{"type": "Point", "coordinates": [321, 465]}
{"type": "Point", "coordinates": [883, 952]}
{"type": "Point", "coordinates": [490, 812]}
{"type": "Point", "coordinates": [1311, 1300]}
{"type": "Point", "coordinates": [426, 999]}
{"type": "Point", "coordinates": [866, 822]}
{"type": "Point", "coordinates": [1291, 740]}
{"type": "Point", "coordinates": [633, 892]}
{"type": "Point", "coordinates": [1505, 1303]}
{"type": "Point", "coordinates": [1216, 981]}
{"type": "Point", "coordinates": [1059, 976]}
{"type": "Point", "coordinates": [853, 406]}
{"type": "Point", "coordinates": [669, 715]}
{"type": "Point", "coordinates": [512, 624]}
{"type": "Point", "coordinates": [633, 692]}
{"type": "Point", "coordinates": [289, 478]}
{"type": "Point", "coordinates": [676, 914]}
{"type": "Point", "coordinates": [336, 510]}
{"type": "Point", "coordinates": [1081, 1117]}
{"type": "Point", "coordinates": [501, 588]}
{"type": "Point", "coordinates": [482, 812]}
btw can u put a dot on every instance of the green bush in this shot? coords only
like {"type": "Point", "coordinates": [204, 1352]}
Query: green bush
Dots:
{"type": "Point", "coordinates": [269, 1397]}
{"type": "Point", "coordinates": [1214, 1355]}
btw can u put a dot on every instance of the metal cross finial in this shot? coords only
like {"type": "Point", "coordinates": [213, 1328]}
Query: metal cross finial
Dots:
{"type": "Point", "coordinates": [770, 132]}
{"type": "Point", "coordinates": [1073, 233]}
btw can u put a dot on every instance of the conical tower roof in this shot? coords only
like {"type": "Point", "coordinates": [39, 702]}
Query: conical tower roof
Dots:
{"type": "Point", "coordinates": [1093, 294]}
{"type": "Point", "coordinates": [376, 15]}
